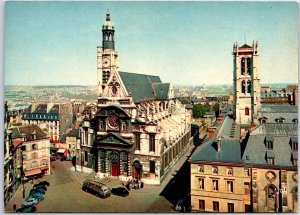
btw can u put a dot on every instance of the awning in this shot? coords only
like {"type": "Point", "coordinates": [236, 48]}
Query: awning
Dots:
{"type": "Point", "coordinates": [33, 172]}
{"type": "Point", "coordinates": [61, 150]}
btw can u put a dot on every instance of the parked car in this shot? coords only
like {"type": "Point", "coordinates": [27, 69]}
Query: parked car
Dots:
{"type": "Point", "coordinates": [44, 183]}
{"type": "Point", "coordinates": [36, 186]}
{"type": "Point", "coordinates": [38, 190]}
{"type": "Point", "coordinates": [36, 196]}
{"type": "Point", "coordinates": [120, 191]}
{"type": "Point", "coordinates": [29, 202]}
{"type": "Point", "coordinates": [52, 158]}
{"type": "Point", "coordinates": [181, 205]}
{"type": "Point", "coordinates": [27, 209]}
{"type": "Point", "coordinates": [96, 188]}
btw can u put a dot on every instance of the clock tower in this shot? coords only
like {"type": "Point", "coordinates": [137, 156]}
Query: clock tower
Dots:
{"type": "Point", "coordinates": [107, 58]}
{"type": "Point", "coordinates": [246, 83]}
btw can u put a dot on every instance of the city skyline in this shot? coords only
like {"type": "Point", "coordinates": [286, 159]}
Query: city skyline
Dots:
{"type": "Point", "coordinates": [59, 40]}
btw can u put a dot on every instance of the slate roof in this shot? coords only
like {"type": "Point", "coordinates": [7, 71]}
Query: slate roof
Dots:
{"type": "Point", "coordinates": [273, 112]}
{"type": "Point", "coordinates": [276, 108]}
{"type": "Point", "coordinates": [28, 130]}
{"type": "Point", "coordinates": [245, 46]}
{"type": "Point", "coordinates": [230, 150]}
{"type": "Point", "coordinates": [144, 87]}
{"type": "Point", "coordinates": [161, 90]}
{"type": "Point", "coordinates": [41, 108]}
{"type": "Point", "coordinates": [73, 133]}
{"type": "Point", "coordinates": [256, 151]}
{"type": "Point", "coordinates": [54, 109]}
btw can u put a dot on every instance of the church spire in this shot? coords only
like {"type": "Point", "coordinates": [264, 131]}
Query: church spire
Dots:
{"type": "Point", "coordinates": [108, 32]}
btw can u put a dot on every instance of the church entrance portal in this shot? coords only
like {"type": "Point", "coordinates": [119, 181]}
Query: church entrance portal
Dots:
{"type": "Point", "coordinates": [114, 168]}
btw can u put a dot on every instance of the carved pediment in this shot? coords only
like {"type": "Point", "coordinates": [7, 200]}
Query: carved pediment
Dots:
{"type": "Point", "coordinates": [113, 139]}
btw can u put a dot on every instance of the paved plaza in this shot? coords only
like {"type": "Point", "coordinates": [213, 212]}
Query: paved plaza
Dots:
{"type": "Point", "coordinates": [65, 194]}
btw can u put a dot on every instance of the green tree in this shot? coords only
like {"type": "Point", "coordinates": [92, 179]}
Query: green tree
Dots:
{"type": "Point", "coordinates": [199, 110]}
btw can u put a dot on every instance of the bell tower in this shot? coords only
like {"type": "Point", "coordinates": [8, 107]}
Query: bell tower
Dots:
{"type": "Point", "coordinates": [107, 57]}
{"type": "Point", "coordinates": [246, 83]}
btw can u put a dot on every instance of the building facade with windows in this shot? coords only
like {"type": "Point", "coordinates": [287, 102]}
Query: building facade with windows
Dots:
{"type": "Point", "coordinates": [35, 149]}
{"type": "Point", "coordinates": [249, 163]}
{"type": "Point", "coordinates": [52, 118]}
{"type": "Point", "coordinates": [139, 130]}
{"type": "Point", "coordinates": [219, 181]}
{"type": "Point", "coordinates": [272, 154]}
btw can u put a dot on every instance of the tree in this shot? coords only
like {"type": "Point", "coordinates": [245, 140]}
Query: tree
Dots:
{"type": "Point", "coordinates": [199, 110]}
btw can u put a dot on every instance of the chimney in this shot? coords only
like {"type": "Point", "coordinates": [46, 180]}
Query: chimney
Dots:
{"type": "Point", "coordinates": [219, 120]}
{"type": "Point", "coordinates": [211, 132]}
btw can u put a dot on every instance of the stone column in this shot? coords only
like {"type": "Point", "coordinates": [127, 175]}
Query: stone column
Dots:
{"type": "Point", "coordinates": [120, 164]}
{"type": "Point", "coordinates": [106, 162]}
{"type": "Point", "coordinates": [128, 164]}
{"type": "Point", "coordinates": [98, 160]}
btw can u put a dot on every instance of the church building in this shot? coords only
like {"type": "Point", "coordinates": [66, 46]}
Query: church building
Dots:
{"type": "Point", "coordinates": [139, 130]}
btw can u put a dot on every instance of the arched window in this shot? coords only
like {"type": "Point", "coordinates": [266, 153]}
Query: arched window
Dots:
{"type": "Point", "coordinates": [124, 126]}
{"type": "Point", "coordinates": [249, 86]}
{"type": "Point", "coordinates": [101, 125]}
{"type": "Point", "coordinates": [243, 87]}
{"type": "Point", "coordinates": [247, 111]}
{"type": "Point", "coordinates": [271, 192]}
{"type": "Point", "coordinates": [248, 65]}
{"type": "Point", "coordinates": [243, 66]}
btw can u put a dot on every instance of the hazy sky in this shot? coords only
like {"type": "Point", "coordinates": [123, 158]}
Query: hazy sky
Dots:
{"type": "Point", "coordinates": [182, 42]}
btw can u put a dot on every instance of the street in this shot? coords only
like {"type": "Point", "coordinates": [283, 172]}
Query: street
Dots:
{"type": "Point", "coordinates": [65, 195]}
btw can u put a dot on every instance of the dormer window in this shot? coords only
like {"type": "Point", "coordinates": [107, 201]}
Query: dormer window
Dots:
{"type": "Point", "coordinates": [294, 143]}
{"type": "Point", "coordinates": [269, 142]}
{"type": "Point", "coordinates": [295, 121]}
{"type": "Point", "coordinates": [269, 145]}
{"type": "Point", "coordinates": [279, 120]}
{"type": "Point", "coordinates": [263, 120]}
{"type": "Point", "coordinates": [270, 161]}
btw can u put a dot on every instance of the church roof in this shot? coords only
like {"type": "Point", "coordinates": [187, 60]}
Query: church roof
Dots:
{"type": "Point", "coordinates": [144, 87]}
{"type": "Point", "coordinates": [161, 90]}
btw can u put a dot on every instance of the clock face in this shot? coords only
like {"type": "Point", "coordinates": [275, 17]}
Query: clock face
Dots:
{"type": "Point", "coordinates": [113, 121]}
{"type": "Point", "coordinates": [106, 62]}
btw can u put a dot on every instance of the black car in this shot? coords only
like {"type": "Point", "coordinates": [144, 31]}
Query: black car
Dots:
{"type": "Point", "coordinates": [120, 191]}
{"type": "Point", "coordinates": [27, 209]}
{"type": "Point", "coordinates": [44, 183]}
{"type": "Point", "coordinates": [36, 186]}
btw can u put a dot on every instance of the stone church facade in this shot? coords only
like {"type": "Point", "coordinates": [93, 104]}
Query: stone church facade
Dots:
{"type": "Point", "coordinates": [139, 130]}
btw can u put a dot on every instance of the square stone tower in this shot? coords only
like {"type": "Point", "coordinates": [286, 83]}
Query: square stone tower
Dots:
{"type": "Point", "coordinates": [246, 83]}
